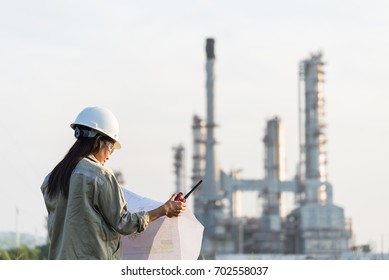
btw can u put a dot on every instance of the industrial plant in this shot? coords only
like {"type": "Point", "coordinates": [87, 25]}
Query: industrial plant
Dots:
{"type": "Point", "coordinates": [315, 227]}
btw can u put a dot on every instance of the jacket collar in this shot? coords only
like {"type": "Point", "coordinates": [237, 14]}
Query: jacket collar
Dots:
{"type": "Point", "coordinates": [92, 158]}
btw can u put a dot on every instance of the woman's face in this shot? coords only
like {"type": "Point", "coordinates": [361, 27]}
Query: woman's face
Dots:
{"type": "Point", "coordinates": [106, 149]}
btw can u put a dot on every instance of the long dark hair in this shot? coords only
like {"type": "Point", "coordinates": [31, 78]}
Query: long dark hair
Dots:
{"type": "Point", "coordinates": [60, 176]}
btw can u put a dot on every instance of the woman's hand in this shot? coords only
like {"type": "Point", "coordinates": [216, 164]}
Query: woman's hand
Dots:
{"type": "Point", "coordinates": [175, 208]}
{"type": "Point", "coordinates": [170, 208]}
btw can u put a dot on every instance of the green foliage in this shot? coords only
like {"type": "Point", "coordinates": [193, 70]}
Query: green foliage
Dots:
{"type": "Point", "coordinates": [25, 253]}
{"type": "Point", "coordinates": [22, 253]}
{"type": "Point", "coordinates": [4, 255]}
{"type": "Point", "coordinates": [43, 251]}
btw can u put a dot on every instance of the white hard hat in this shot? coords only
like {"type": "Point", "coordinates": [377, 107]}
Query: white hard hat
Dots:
{"type": "Point", "coordinates": [100, 119]}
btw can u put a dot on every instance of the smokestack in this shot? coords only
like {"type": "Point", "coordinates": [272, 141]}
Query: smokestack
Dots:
{"type": "Point", "coordinates": [211, 188]}
{"type": "Point", "coordinates": [210, 48]}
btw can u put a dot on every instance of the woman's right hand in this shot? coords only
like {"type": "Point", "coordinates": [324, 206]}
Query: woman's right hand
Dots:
{"type": "Point", "coordinates": [174, 208]}
{"type": "Point", "coordinates": [170, 208]}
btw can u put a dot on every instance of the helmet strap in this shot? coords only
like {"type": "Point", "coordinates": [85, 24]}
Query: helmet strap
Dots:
{"type": "Point", "coordinates": [79, 133]}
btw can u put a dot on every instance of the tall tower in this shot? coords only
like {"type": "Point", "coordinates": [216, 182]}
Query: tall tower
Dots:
{"type": "Point", "coordinates": [274, 150]}
{"type": "Point", "coordinates": [199, 140]}
{"type": "Point", "coordinates": [179, 168]}
{"type": "Point", "coordinates": [208, 203]}
{"type": "Point", "coordinates": [270, 235]}
{"type": "Point", "coordinates": [211, 188]}
{"type": "Point", "coordinates": [318, 227]}
{"type": "Point", "coordinates": [315, 154]}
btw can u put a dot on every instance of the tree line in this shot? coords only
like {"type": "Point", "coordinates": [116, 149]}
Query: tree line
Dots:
{"type": "Point", "coordinates": [25, 253]}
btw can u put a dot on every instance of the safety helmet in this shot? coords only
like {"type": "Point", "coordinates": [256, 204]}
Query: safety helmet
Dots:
{"type": "Point", "coordinates": [99, 119]}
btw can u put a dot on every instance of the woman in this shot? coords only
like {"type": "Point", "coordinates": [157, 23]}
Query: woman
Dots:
{"type": "Point", "coordinates": [87, 213]}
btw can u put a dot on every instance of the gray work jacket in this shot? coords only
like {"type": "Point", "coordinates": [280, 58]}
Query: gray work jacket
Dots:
{"type": "Point", "coordinates": [89, 224]}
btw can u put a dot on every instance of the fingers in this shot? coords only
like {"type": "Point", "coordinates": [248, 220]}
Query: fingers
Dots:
{"type": "Point", "coordinates": [176, 208]}
{"type": "Point", "coordinates": [178, 197]}
{"type": "Point", "coordinates": [179, 207]}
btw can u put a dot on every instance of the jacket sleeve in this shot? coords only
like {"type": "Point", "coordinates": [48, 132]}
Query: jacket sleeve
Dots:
{"type": "Point", "coordinates": [113, 207]}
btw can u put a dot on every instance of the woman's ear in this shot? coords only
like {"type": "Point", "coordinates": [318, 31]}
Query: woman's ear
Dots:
{"type": "Point", "coordinates": [98, 144]}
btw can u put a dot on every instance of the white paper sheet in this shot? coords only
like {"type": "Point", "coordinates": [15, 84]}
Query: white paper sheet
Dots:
{"type": "Point", "coordinates": [164, 239]}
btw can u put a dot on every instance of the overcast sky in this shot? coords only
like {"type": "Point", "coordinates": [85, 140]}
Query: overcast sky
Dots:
{"type": "Point", "coordinates": [145, 60]}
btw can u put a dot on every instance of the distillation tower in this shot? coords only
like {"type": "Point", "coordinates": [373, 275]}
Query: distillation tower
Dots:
{"type": "Point", "coordinates": [316, 227]}
{"type": "Point", "coordinates": [179, 168]}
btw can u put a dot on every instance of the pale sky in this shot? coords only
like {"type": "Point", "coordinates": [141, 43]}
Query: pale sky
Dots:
{"type": "Point", "coordinates": [145, 60]}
